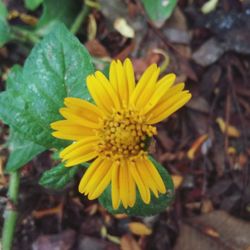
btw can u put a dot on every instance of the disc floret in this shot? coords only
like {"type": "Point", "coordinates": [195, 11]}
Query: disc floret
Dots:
{"type": "Point", "coordinates": [124, 135]}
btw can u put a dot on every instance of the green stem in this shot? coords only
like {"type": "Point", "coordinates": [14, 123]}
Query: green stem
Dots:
{"type": "Point", "coordinates": [80, 19]}
{"type": "Point", "coordinates": [10, 214]}
{"type": "Point", "coordinates": [23, 35]}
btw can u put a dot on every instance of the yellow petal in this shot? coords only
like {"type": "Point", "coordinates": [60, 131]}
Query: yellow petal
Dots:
{"type": "Point", "coordinates": [81, 159]}
{"type": "Point", "coordinates": [87, 141]}
{"type": "Point", "coordinates": [184, 97]}
{"type": "Point", "coordinates": [72, 116]}
{"type": "Point", "coordinates": [71, 137]}
{"type": "Point", "coordinates": [115, 185]}
{"type": "Point", "coordinates": [80, 151]}
{"type": "Point", "coordinates": [146, 176]}
{"type": "Point", "coordinates": [109, 88]}
{"type": "Point", "coordinates": [142, 83]}
{"type": "Point", "coordinates": [70, 131]}
{"type": "Point", "coordinates": [170, 97]}
{"type": "Point", "coordinates": [113, 77]}
{"type": "Point", "coordinates": [147, 91]}
{"type": "Point", "coordinates": [89, 173]}
{"type": "Point", "coordinates": [144, 192]}
{"type": "Point", "coordinates": [123, 86]}
{"type": "Point", "coordinates": [131, 189]}
{"type": "Point", "coordinates": [87, 108]}
{"type": "Point", "coordinates": [130, 76]}
{"type": "Point", "coordinates": [155, 176]}
{"type": "Point", "coordinates": [101, 186]}
{"type": "Point", "coordinates": [162, 87]}
{"type": "Point", "coordinates": [99, 94]}
{"type": "Point", "coordinates": [123, 181]}
{"type": "Point", "coordinates": [97, 178]}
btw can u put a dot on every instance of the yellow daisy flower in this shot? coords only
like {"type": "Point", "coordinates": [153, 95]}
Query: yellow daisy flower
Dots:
{"type": "Point", "coordinates": [114, 132]}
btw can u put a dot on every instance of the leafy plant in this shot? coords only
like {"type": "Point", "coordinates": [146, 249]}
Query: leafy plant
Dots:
{"type": "Point", "coordinates": [32, 4]}
{"type": "Point", "coordinates": [56, 68]}
{"type": "Point", "coordinates": [159, 11]}
{"type": "Point", "coordinates": [4, 27]}
{"type": "Point", "coordinates": [156, 205]}
{"type": "Point", "coordinates": [58, 177]}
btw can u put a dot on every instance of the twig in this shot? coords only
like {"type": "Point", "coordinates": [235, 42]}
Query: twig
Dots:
{"type": "Point", "coordinates": [10, 214]}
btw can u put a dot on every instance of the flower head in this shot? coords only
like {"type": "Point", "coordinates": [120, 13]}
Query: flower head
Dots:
{"type": "Point", "coordinates": [115, 130]}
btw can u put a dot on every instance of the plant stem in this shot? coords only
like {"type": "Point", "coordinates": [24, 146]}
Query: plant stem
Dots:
{"type": "Point", "coordinates": [24, 35]}
{"type": "Point", "coordinates": [10, 214]}
{"type": "Point", "coordinates": [80, 19]}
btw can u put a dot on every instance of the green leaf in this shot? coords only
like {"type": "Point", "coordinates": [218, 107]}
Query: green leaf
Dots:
{"type": "Point", "coordinates": [159, 11]}
{"type": "Point", "coordinates": [4, 27]}
{"type": "Point", "coordinates": [32, 4]}
{"type": "Point", "coordinates": [156, 205]}
{"type": "Point", "coordinates": [58, 177]}
{"type": "Point", "coordinates": [57, 10]}
{"type": "Point", "coordinates": [21, 151]}
{"type": "Point", "coordinates": [56, 68]}
{"type": "Point", "coordinates": [4, 32]}
{"type": "Point", "coordinates": [3, 10]}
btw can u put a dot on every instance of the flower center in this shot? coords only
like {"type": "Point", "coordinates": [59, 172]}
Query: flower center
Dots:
{"type": "Point", "coordinates": [124, 135]}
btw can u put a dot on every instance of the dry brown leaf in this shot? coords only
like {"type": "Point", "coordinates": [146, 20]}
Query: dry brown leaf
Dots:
{"type": "Point", "coordinates": [129, 243]}
{"type": "Point", "coordinates": [95, 48]}
{"type": "Point", "coordinates": [229, 129]}
{"type": "Point", "coordinates": [211, 232]}
{"type": "Point", "coordinates": [28, 19]}
{"type": "Point", "coordinates": [177, 180]}
{"type": "Point", "coordinates": [3, 181]}
{"type": "Point", "coordinates": [216, 230]}
{"type": "Point", "coordinates": [231, 151]}
{"type": "Point", "coordinates": [196, 146]}
{"type": "Point", "coordinates": [139, 228]}
{"type": "Point", "coordinates": [207, 206]}
{"type": "Point", "coordinates": [123, 28]}
{"type": "Point", "coordinates": [58, 211]}
{"type": "Point", "coordinates": [120, 216]}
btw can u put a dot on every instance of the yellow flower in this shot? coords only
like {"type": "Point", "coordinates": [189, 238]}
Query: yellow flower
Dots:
{"type": "Point", "coordinates": [115, 130]}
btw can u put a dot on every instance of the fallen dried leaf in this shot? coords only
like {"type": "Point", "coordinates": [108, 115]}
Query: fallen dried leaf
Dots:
{"type": "Point", "coordinates": [207, 206]}
{"type": "Point", "coordinates": [177, 180]}
{"type": "Point", "coordinates": [95, 48]}
{"type": "Point", "coordinates": [243, 160]}
{"type": "Point", "coordinates": [2, 177]}
{"type": "Point", "coordinates": [229, 129]}
{"type": "Point", "coordinates": [211, 232]}
{"type": "Point", "coordinates": [92, 27]}
{"type": "Point", "coordinates": [123, 28]}
{"type": "Point", "coordinates": [231, 151]}
{"type": "Point", "coordinates": [129, 243]}
{"type": "Point", "coordinates": [208, 53]}
{"type": "Point", "coordinates": [216, 230]}
{"type": "Point", "coordinates": [196, 146]}
{"type": "Point", "coordinates": [63, 241]}
{"type": "Point", "coordinates": [139, 228]}
{"type": "Point", "coordinates": [209, 6]}
{"type": "Point", "coordinates": [120, 216]}
{"type": "Point", "coordinates": [92, 209]}
{"type": "Point", "coordinates": [58, 211]}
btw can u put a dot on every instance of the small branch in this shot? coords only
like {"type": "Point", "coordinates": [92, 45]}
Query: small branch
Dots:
{"type": "Point", "coordinates": [80, 19]}
{"type": "Point", "coordinates": [10, 214]}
